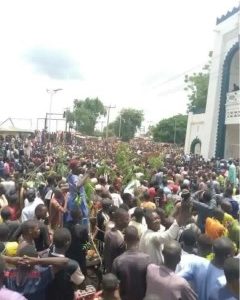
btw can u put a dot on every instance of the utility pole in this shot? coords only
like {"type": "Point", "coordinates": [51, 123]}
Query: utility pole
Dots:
{"type": "Point", "coordinates": [66, 110]}
{"type": "Point", "coordinates": [108, 115]}
{"type": "Point", "coordinates": [120, 125]}
{"type": "Point", "coordinates": [45, 122]}
{"type": "Point", "coordinates": [51, 92]}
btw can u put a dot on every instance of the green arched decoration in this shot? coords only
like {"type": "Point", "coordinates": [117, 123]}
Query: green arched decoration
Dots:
{"type": "Point", "coordinates": [221, 129]}
{"type": "Point", "coordinates": [194, 143]}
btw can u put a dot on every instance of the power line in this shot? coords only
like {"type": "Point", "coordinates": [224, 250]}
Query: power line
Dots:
{"type": "Point", "coordinates": [175, 77]}
{"type": "Point", "coordinates": [181, 87]}
{"type": "Point", "coordinates": [171, 91]}
{"type": "Point", "coordinates": [188, 70]}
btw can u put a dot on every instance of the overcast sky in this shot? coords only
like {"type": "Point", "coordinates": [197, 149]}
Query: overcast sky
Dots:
{"type": "Point", "coordinates": [122, 51]}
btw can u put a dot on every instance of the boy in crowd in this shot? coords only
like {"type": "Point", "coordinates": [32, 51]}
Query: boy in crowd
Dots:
{"type": "Point", "coordinates": [6, 218]}
{"type": "Point", "coordinates": [63, 285]}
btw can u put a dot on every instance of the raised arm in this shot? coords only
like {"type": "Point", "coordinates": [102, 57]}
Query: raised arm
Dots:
{"type": "Point", "coordinates": [82, 181]}
{"type": "Point", "coordinates": [54, 261]}
{"type": "Point", "coordinates": [171, 233]}
{"type": "Point", "coordinates": [25, 260]}
{"type": "Point", "coordinates": [200, 206]}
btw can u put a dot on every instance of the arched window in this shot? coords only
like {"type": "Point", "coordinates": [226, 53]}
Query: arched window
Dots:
{"type": "Point", "coordinates": [196, 146]}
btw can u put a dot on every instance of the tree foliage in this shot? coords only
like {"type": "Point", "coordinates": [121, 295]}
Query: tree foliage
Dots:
{"type": "Point", "coordinates": [125, 162]}
{"type": "Point", "coordinates": [69, 118]}
{"type": "Point", "coordinates": [112, 129]}
{"type": "Point", "coordinates": [155, 162]}
{"type": "Point", "coordinates": [127, 123]}
{"type": "Point", "coordinates": [197, 88]}
{"type": "Point", "coordinates": [61, 165]}
{"type": "Point", "coordinates": [164, 130]}
{"type": "Point", "coordinates": [86, 112]}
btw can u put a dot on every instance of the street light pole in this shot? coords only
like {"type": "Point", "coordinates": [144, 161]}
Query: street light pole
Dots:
{"type": "Point", "coordinates": [51, 92]}
{"type": "Point", "coordinates": [65, 114]}
{"type": "Point", "coordinates": [50, 112]}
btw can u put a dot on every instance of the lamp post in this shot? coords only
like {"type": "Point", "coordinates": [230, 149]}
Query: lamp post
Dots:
{"type": "Point", "coordinates": [51, 92]}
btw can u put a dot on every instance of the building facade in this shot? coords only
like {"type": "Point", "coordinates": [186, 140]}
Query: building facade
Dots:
{"type": "Point", "coordinates": [215, 133]}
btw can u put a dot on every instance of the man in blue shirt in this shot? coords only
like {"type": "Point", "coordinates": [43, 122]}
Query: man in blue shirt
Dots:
{"type": "Point", "coordinates": [31, 279]}
{"type": "Point", "coordinates": [235, 206]}
{"type": "Point", "coordinates": [231, 290]}
{"type": "Point", "coordinates": [207, 277]}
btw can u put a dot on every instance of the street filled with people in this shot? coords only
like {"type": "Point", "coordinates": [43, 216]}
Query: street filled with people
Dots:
{"type": "Point", "coordinates": [89, 218]}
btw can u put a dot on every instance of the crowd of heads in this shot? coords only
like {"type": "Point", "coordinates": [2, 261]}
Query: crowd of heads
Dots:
{"type": "Point", "coordinates": [61, 196]}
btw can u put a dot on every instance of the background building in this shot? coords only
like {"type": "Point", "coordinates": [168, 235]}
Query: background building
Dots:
{"type": "Point", "coordinates": [215, 133]}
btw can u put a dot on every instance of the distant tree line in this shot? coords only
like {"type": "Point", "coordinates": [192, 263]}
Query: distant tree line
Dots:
{"type": "Point", "coordinates": [86, 114]}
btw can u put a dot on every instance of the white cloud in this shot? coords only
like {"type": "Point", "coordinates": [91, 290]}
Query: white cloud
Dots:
{"type": "Point", "coordinates": [123, 50]}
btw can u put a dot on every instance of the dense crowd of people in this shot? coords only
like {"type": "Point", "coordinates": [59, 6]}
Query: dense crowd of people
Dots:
{"type": "Point", "coordinates": [73, 229]}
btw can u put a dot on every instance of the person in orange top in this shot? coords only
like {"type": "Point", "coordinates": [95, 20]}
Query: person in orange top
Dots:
{"type": "Point", "coordinates": [214, 227]}
{"type": "Point", "coordinates": [57, 209]}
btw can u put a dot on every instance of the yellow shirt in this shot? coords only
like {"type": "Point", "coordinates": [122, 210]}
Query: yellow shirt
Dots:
{"type": "Point", "coordinates": [10, 249]}
{"type": "Point", "coordinates": [227, 219]}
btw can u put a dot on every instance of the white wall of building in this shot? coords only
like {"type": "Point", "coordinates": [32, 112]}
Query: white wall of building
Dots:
{"type": "Point", "coordinates": [225, 38]}
{"type": "Point", "coordinates": [195, 129]}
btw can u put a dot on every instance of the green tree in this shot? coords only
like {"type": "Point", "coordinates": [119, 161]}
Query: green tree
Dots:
{"type": "Point", "coordinates": [86, 112]}
{"type": "Point", "coordinates": [127, 123]}
{"type": "Point", "coordinates": [69, 118]}
{"type": "Point", "coordinates": [155, 162]}
{"type": "Point", "coordinates": [125, 162]}
{"type": "Point", "coordinates": [167, 129]}
{"type": "Point", "coordinates": [111, 130]}
{"type": "Point", "coordinates": [197, 88]}
{"type": "Point", "coordinates": [98, 133]}
{"type": "Point", "coordinates": [150, 131]}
